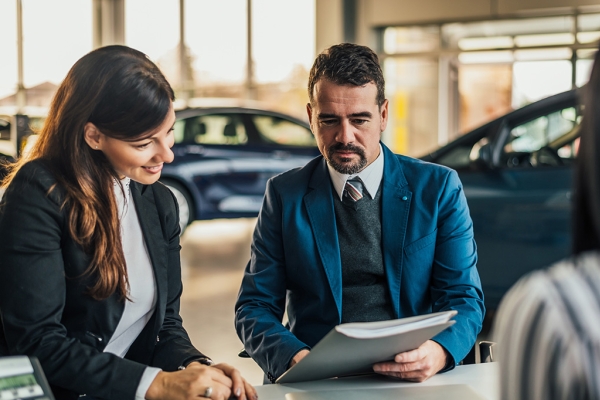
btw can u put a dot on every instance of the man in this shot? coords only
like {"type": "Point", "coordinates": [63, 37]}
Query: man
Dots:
{"type": "Point", "coordinates": [394, 243]}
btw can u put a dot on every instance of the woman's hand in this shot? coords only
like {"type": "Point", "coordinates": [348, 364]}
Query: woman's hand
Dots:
{"type": "Point", "coordinates": [193, 382]}
{"type": "Point", "coordinates": [241, 389]}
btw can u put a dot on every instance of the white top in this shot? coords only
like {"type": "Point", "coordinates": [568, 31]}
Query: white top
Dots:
{"type": "Point", "coordinates": [548, 333]}
{"type": "Point", "coordinates": [142, 285]}
{"type": "Point", "coordinates": [370, 176]}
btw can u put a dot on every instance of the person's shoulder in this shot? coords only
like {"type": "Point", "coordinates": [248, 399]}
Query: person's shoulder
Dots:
{"type": "Point", "coordinates": [35, 170]}
{"type": "Point", "coordinates": [414, 168]}
{"type": "Point", "coordinates": [35, 173]}
{"type": "Point", "coordinates": [35, 180]}
{"type": "Point", "coordinates": [412, 162]}
{"type": "Point", "coordinates": [569, 277]}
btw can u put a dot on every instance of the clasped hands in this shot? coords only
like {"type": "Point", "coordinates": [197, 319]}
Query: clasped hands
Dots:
{"type": "Point", "coordinates": [193, 382]}
{"type": "Point", "coordinates": [416, 365]}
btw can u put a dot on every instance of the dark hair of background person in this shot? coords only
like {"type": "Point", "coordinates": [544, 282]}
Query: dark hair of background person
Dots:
{"type": "Point", "coordinates": [348, 64]}
{"type": "Point", "coordinates": [125, 96]}
{"type": "Point", "coordinates": [586, 202]}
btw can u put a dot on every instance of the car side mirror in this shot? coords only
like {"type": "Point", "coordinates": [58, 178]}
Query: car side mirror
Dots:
{"type": "Point", "coordinates": [481, 154]}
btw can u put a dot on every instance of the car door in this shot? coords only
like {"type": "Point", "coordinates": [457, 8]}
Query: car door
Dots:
{"type": "Point", "coordinates": [224, 160]}
{"type": "Point", "coordinates": [520, 199]}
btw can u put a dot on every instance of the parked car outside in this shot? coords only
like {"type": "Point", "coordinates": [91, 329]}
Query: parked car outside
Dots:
{"type": "Point", "coordinates": [225, 155]}
{"type": "Point", "coordinates": [517, 177]}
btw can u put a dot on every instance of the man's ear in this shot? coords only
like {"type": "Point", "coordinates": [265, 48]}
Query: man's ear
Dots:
{"type": "Point", "coordinates": [92, 136]}
{"type": "Point", "coordinates": [309, 112]}
{"type": "Point", "coordinates": [384, 110]}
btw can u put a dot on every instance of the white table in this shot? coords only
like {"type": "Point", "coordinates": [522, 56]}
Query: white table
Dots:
{"type": "Point", "coordinates": [483, 378]}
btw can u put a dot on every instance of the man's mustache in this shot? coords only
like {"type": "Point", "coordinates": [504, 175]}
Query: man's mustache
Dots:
{"type": "Point", "coordinates": [346, 147]}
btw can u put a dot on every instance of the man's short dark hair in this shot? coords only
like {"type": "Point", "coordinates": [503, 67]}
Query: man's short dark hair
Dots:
{"type": "Point", "coordinates": [348, 64]}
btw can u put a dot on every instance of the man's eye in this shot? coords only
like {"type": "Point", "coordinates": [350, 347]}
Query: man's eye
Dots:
{"type": "Point", "coordinates": [360, 121]}
{"type": "Point", "coordinates": [328, 122]}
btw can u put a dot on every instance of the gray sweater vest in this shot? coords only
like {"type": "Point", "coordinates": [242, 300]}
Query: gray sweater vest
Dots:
{"type": "Point", "coordinates": [365, 293]}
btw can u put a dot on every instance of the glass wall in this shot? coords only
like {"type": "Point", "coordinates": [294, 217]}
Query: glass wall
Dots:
{"type": "Point", "coordinates": [283, 46]}
{"type": "Point", "coordinates": [497, 65]}
{"type": "Point", "coordinates": [53, 39]}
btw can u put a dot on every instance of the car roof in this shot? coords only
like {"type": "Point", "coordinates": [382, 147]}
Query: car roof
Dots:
{"type": "Point", "coordinates": [197, 111]}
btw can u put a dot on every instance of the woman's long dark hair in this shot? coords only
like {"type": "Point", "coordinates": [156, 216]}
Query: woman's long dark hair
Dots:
{"type": "Point", "coordinates": [586, 204]}
{"type": "Point", "coordinates": [125, 96]}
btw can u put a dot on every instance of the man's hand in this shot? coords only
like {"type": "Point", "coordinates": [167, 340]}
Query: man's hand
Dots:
{"type": "Point", "coordinates": [299, 356]}
{"type": "Point", "coordinates": [415, 365]}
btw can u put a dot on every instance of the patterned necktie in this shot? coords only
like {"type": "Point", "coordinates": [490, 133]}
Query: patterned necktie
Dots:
{"type": "Point", "coordinates": [353, 191]}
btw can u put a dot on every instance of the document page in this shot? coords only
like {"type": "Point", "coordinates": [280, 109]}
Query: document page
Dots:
{"type": "Point", "coordinates": [387, 328]}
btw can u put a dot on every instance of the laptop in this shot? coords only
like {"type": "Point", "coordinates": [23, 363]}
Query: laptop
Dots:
{"type": "Point", "coordinates": [416, 392]}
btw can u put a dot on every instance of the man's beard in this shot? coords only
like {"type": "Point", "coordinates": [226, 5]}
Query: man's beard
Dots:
{"type": "Point", "coordinates": [347, 167]}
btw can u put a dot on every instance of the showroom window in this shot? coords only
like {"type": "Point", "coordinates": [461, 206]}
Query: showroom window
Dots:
{"type": "Point", "coordinates": [446, 79]}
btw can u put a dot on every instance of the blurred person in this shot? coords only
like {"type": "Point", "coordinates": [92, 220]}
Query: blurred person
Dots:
{"type": "Point", "coordinates": [547, 326]}
{"type": "Point", "coordinates": [358, 234]}
{"type": "Point", "coordinates": [90, 277]}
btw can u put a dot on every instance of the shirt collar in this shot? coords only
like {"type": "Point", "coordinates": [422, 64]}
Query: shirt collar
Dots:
{"type": "Point", "coordinates": [370, 176]}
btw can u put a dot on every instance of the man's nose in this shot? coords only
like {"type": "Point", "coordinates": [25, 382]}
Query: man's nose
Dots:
{"type": "Point", "coordinates": [345, 133]}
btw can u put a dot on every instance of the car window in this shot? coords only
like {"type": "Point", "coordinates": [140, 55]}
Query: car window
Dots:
{"type": "Point", "coordinates": [553, 136]}
{"type": "Point", "coordinates": [281, 131]}
{"type": "Point", "coordinates": [211, 129]}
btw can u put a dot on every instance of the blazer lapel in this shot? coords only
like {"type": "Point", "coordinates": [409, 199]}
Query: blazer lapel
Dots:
{"type": "Point", "coordinates": [395, 209]}
{"type": "Point", "coordinates": [150, 223]}
{"type": "Point", "coordinates": [319, 206]}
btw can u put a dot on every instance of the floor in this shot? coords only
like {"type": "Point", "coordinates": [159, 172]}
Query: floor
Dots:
{"type": "Point", "coordinates": [213, 257]}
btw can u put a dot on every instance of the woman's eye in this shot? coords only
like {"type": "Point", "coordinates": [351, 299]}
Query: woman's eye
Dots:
{"type": "Point", "coordinates": [143, 146]}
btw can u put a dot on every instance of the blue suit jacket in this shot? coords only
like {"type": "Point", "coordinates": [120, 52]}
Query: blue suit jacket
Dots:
{"type": "Point", "coordinates": [428, 248]}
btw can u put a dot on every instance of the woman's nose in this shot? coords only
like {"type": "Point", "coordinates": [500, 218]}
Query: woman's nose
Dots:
{"type": "Point", "coordinates": [166, 154]}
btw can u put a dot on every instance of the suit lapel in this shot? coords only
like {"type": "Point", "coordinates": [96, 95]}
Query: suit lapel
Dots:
{"type": "Point", "coordinates": [395, 208]}
{"type": "Point", "coordinates": [150, 223]}
{"type": "Point", "coordinates": [319, 206]}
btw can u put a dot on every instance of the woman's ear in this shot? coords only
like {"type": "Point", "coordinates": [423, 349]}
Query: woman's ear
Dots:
{"type": "Point", "coordinates": [92, 136]}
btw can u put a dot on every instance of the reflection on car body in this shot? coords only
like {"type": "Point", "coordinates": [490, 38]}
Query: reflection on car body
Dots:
{"type": "Point", "coordinates": [224, 157]}
{"type": "Point", "coordinates": [517, 175]}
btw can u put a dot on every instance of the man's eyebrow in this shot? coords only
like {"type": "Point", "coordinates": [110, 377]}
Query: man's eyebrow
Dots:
{"type": "Point", "coordinates": [363, 114]}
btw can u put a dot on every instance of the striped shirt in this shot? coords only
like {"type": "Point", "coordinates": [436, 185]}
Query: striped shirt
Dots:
{"type": "Point", "coordinates": [548, 333]}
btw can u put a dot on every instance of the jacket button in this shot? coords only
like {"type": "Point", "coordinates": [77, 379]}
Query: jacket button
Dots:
{"type": "Point", "coordinates": [404, 198]}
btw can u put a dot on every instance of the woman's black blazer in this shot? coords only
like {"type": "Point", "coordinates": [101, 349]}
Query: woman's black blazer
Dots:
{"type": "Point", "coordinates": [45, 311]}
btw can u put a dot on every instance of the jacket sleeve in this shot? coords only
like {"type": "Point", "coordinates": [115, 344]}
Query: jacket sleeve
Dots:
{"type": "Point", "coordinates": [33, 290]}
{"type": "Point", "coordinates": [455, 283]}
{"type": "Point", "coordinates": [261, 300]}
{"type": "Point", "coordinates": [174, 347]}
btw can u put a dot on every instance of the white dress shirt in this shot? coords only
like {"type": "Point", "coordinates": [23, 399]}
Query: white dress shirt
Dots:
{"type": "Point", "coordinates": [142, 285]}
{"type": "Point", "coordinates": [370, 176]}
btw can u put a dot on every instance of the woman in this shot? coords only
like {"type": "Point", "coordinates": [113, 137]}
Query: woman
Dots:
{"type": "Point", "coordinates": [547, 328]}
{"type": "Point", "coordinates": [89, 243]}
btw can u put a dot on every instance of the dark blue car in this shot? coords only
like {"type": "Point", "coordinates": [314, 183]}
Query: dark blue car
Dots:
{"type": "Point", "coordinates": [225, 155]}
{"type": "Point", "coordinates": [517, 175]}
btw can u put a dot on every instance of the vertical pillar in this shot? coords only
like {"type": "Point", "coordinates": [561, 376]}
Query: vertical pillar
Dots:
{"type": "Point", "coordinates": [21, 94]}
{"type": "Point", "coordinates": [108, 22]}
{"type": "Point", "coordinates": [349, 9]}
{"type": "Point", "coordinates": [329, 23]}
{"type": "Point", "coordinates": [250, 87]}
{"type": "Point", "coordinates": [186, 89]}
